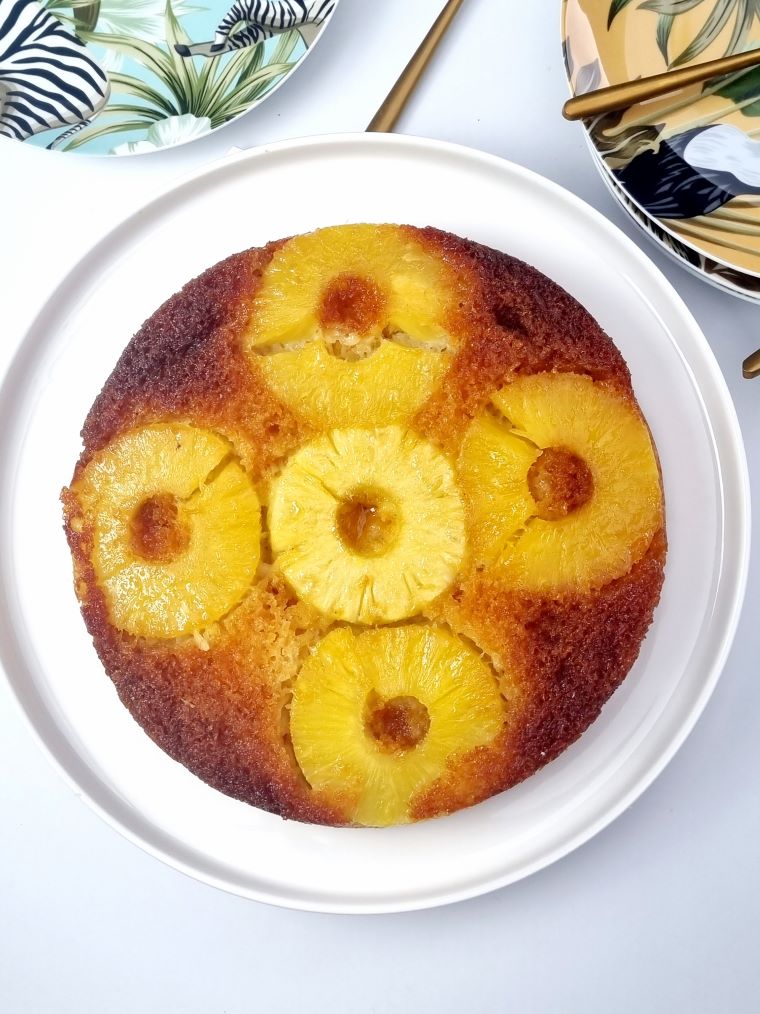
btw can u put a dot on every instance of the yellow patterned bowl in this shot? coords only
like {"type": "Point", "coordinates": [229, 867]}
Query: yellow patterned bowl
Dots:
{"type": "Point", "coordinates": [686, 166]}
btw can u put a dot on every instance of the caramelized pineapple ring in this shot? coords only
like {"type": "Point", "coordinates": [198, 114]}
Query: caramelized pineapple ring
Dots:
{"type": "Point", "coordinates": [176, 525]}
{"type": "Point", "coordinates": [377, 717]}
{"type": "Point", "coordinates": [353, 322]}
{"type": "Point", "coordinates": [367, 525]}
{"type": "Point", "coordinates": [564, 490]}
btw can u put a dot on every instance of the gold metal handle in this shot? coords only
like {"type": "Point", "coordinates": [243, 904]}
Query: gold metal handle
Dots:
{"type": "Point", "coordinates": [385, 118]}
{"type": "Point", "coordinates": [751, 365]}
{"type": "Point", "coordinates": [606, 100]}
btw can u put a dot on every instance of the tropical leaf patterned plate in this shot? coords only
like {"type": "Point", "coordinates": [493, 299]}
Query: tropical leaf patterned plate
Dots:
{"type": "Point", "coordinates": [728, 279]}
{"type": "Point", "coordinates": [116, 77]}
{"type": "Point", "coordinates": [686, 166]}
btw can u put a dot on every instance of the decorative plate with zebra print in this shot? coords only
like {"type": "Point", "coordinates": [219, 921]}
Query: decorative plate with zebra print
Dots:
{"type": "Point", "coordinates": [687, 166]}
{"type": "Point", "coordinates": [123, 77]}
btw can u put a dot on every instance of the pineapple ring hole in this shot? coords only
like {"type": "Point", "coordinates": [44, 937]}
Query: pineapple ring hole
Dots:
{"type": "Point", "coordinates": [157, 532]}
{"type": "Point", "coordinates": [560, 482]}
{"type": "Point", "coordinates": [368, 522]}
{"type": "Point", "coordinates": [351, 303]}
{"type": "Point", "coordinates": [395, 725]}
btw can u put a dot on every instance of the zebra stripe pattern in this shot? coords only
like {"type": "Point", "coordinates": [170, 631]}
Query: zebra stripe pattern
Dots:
{"type": "Point", "coordinates": [261, 19]}
{"type": "Point", "coordinates": [47, 77]}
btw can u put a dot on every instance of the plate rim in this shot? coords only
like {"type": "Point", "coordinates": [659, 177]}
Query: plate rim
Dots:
{"type": "Point", "coordinates": [729, 458]}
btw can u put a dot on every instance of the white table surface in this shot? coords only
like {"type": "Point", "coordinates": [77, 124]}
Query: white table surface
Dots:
{"type": "Point", "coordinates": [660, 912]}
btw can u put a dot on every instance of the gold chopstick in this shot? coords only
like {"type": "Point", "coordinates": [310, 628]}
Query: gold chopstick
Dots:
{"type": "Point", "coordinates": [385, 118]}
{"type": "Point", "coordinates": [606, 100]}
{"type": "Point", "coordinates": [751, 366]}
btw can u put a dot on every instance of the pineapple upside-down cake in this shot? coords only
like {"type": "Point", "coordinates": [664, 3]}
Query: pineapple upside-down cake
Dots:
{"type": "Point", "coordinates": [368, 524]}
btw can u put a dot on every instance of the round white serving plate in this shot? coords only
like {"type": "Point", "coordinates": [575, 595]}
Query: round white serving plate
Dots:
{"type": "Point", "coordinates": [73, 345]}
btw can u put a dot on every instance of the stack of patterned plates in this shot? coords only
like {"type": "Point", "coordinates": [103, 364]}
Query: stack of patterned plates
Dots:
{"type": "Point", "coordinates": [687, 166]}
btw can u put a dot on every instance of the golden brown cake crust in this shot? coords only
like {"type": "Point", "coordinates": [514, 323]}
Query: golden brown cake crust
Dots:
{"type": "Point", "coordinates": [218, 704]}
